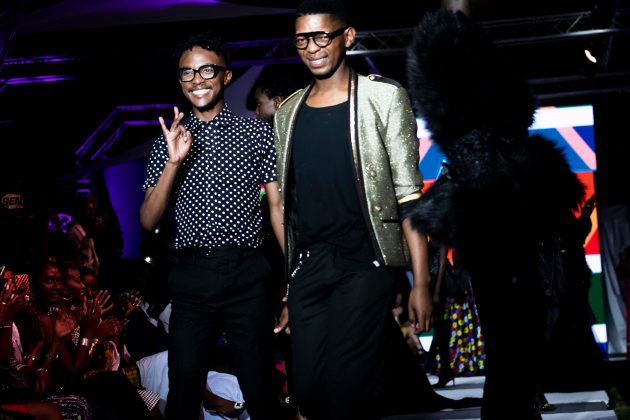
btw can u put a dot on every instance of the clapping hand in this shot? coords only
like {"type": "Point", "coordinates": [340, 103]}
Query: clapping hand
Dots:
{"type": "Point", "coordinates": [130, 302]}
{"type": "Point", "coordinates": [65, 322]}
{"type": "Point", "coordinates": [93, 309]}
{"type": "Point", "coordinates": [13, 297]}
{"type": "Point", "coordinates": [109, 328]}
{"type": "Point", "coordinates": [101, 300]}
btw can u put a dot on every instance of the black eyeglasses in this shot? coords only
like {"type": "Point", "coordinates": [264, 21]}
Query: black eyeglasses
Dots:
{"type": "Point", "coordinates": [207, 71]}
{"type": "Point", "coordinates": [320, 38]}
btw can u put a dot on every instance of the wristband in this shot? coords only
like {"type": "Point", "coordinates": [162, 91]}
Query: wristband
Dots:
{"type": "Point", "coordinates": [52, 356]}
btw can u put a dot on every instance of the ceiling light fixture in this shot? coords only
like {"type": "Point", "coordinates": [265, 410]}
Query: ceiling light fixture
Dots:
{"type": "Point", "coordinates": [589, 56]}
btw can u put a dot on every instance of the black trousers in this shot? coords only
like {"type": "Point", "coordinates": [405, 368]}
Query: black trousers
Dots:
{"type": "Point", "coordinates": [228, 290]}
{"type": "Point", "coordinates": [512, 317]}
{"type": "Point", "coordinates": [337, 321]}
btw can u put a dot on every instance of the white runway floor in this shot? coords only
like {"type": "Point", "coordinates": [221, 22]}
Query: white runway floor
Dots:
{"type": "Point", "coordinates": [569, 406]}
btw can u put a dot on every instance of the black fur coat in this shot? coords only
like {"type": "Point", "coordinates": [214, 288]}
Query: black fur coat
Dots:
{"type": "Point", "coordinates": [503, 189]}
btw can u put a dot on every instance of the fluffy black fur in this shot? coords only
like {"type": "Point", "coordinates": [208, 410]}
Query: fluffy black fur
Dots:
{"type": "Point", "coordinates": [504, 189]}
{"type": "Point", "coordinates": [459, 83]}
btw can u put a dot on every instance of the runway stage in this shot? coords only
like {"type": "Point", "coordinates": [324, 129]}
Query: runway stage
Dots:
{"type": "Point", "coordinates": [588, 405]}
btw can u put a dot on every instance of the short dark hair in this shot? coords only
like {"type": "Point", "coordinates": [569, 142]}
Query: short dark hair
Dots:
{"type": "Point", "coordinates": [273, 81]}
{"type": "Point", "coordinates": [64, 266]}
{"type": "Point", "coordinates": [207, 41]}
{"type": "Point", "coordinates": [316, 7]}
{"type": "Point", "coordinates": [86, 271]}
{"type": "Point", "coordinates": [275, 87]}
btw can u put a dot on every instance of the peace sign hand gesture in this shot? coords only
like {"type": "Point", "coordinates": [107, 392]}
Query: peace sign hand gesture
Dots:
{"type": "Point", "coordinates": [178, 139]}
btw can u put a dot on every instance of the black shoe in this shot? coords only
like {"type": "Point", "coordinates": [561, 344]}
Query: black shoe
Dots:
{"type": "Point", "coordinates": [446, 376]}
{"type": "Point", "coordinates": [541, 403]}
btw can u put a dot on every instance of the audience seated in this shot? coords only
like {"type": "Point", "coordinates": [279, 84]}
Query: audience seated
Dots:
{"type": "Point", "coordinates": [24, 379]}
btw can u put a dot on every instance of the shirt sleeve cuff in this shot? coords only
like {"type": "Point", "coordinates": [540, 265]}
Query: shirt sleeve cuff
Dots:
{"type": "Point", "coordinates": [410, 197]}
{"type": "Point", "coordinates": [407, 204]}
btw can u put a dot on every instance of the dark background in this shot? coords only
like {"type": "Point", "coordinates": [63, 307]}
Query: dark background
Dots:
{"type": "Point", "coordinates": [120, 53]}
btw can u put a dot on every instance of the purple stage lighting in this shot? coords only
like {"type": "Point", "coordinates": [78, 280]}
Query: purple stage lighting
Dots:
{"type": "Point", "coordinates": [37, 79]}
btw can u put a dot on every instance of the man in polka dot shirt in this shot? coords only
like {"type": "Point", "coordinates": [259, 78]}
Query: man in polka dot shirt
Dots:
{"type": "Point", "coordinates": [211, 164]}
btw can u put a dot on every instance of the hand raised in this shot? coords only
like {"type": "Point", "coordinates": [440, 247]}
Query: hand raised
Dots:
{"type": "Point", "coordinates": [178, 139]}
{"type": "Point", "coordinates": [109, 328]}
{"type": "Point", "coordinates": [65, 322]}
{"type": "Point", "coordinates": [101, 301]}
{"type": "Point", "coordinates": [91, 315]}
{"type": "Point", "coordinates": [128, 302]}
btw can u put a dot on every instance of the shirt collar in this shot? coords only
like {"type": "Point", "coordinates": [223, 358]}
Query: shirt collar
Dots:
{"type": "Point", "coordinates": [222, 119]}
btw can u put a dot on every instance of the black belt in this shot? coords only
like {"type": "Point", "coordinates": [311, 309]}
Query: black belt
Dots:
{"type": "Point", "coordinates": [196, 252]}
{"type": "Point", "coordinates": [204, 252]}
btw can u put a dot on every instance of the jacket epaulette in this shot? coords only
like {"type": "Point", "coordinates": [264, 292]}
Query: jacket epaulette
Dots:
{"type": "Point", "coordinates": [289, 97]}
{"type": "Point", "coordinates": [379, 78]}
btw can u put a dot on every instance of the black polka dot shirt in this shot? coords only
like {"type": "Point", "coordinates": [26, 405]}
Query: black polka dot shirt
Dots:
{"type": "Point", "coordinates": [217, 186]}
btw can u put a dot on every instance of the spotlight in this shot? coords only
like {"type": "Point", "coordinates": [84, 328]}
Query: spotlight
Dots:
{"type": "Point", "coordinates": [148, 260]}
{"type": "Point", "coordinates": [593, 58]}
{"type": "Point", "coordinates": [589, 56]}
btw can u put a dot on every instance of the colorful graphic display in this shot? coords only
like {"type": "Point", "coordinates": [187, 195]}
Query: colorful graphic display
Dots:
{"type": "Point", "coordinates": [571, 128]}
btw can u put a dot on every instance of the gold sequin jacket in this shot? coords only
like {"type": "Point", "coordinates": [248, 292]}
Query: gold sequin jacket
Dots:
{"type": "Point", "coordinates": [385, 156]}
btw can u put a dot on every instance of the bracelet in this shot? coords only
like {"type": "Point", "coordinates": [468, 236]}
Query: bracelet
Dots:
{"type": "Point", "coordinates": [6, 326]}
{"type": "Point", "coordinates": [53, 356]}
{"type": "Point", "coordinates": [41, 369]}
{"type": "Point", "coordinates": [85, 342]}
{"type": "Point", "coordinates": [31, 357]}
{"type": "Point", "coordinates": [94, 344]}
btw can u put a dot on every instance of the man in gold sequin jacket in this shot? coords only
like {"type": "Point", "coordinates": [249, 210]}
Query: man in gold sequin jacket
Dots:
{"type": "Point", "coordinates": [384, 143]}
{"type": "Point", "coordinates": [347, 166]}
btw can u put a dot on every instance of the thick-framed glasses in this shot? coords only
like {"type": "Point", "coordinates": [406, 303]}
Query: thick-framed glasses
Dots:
{"type": "Point", "coordinates": [207, 71]}
{"type": "Point", "coordinates": [320, 38]}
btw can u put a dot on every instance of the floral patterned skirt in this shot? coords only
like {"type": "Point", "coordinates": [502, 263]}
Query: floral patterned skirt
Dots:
{"type": "Point", "coordinates": [466, 345]}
